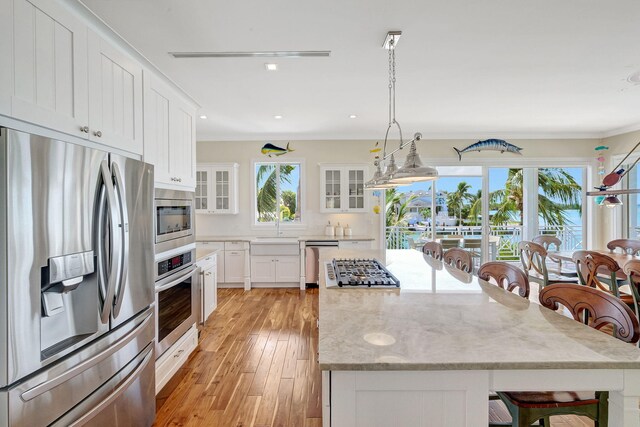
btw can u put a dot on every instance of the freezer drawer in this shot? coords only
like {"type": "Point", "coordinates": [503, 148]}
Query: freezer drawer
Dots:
{"type": "Point", "coordinates": [92, 382]}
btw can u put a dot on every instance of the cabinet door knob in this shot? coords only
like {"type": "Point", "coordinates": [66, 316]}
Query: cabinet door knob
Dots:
{"type": "Point", "coordinates": [84, 129]}
{"type": "Point", "coordinates": [98, 134]}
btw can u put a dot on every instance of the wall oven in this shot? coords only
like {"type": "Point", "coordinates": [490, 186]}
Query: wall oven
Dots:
{"type": "Point", "coordinates": [177, 297]}
{"type": "Point", "coordinates": [174, 218]}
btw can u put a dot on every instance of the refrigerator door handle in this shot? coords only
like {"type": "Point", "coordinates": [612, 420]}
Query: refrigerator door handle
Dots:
{"type": "Point", "coordinates": [87, 364]}
{"type": "Point", "coordinates": [116, 392]}
{"type": "Point", "coordinates": [115, 246]}
{"type": "Point", "coordinates": [124, 230]}
{"type": "Point", "coordinates": [100, 252]}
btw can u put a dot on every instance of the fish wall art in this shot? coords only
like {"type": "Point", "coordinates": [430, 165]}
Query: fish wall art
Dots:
{"type": "Point", "coordinates": [273, 150]}
{"type": "Point", "coordinates": [490, 145]}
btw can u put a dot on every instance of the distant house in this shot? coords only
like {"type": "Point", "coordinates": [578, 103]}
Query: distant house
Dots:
{"type": "Point", "coordinates": [422, 202]}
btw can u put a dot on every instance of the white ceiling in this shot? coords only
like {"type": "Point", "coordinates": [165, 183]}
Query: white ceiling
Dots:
{"type": "Point", "coordinates": [465, 69]}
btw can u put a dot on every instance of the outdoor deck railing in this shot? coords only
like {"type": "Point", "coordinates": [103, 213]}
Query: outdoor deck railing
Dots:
{"type": "Point", "coordinates": [509, 236]}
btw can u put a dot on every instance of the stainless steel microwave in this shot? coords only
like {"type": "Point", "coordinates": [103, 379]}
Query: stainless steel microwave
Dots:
{"type": "Point", "coordinates": [174, 218]}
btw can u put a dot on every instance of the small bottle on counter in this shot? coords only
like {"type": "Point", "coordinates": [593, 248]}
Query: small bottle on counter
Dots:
{"type": "Point", "coordinates": [339, 230]}
{"type": "Point", "coordinates": [347, 231]}
{"type": "Point", "coordinates": [329, 230]}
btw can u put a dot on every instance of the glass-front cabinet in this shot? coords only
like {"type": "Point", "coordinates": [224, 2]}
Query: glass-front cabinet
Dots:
{"type": "Point", "coordinates": [217, 188]}
{"type": "Point", "coordinates": [342, 188]}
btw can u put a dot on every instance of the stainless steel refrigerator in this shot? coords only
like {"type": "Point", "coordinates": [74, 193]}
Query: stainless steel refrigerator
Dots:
{"type": "Point", "coordinates": [76, 285]}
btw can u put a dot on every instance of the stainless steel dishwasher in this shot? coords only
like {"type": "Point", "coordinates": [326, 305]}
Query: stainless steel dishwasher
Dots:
{"type": "Point", "coordinates": [312, 258]}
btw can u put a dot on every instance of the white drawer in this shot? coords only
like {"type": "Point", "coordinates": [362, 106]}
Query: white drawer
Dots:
{"type": "Point", "coordinates": [354, 244]}
{"type": "Point", "coordinates": [169, 363]}
{"type": "Point", "coordinates": [234, 246]}
{"type": "Point", "coordinates": [208, 262]}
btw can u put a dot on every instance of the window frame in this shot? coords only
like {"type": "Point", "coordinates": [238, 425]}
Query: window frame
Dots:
{"type": "Point", "coordinates": [302, 224]}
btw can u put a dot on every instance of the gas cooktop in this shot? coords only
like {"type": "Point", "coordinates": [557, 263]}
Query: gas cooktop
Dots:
{"type": "Point", "coordinates": [359, 273]}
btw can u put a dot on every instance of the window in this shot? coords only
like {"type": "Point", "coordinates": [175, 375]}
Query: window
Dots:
{"type": "Point", "coordinates": [277, 193]}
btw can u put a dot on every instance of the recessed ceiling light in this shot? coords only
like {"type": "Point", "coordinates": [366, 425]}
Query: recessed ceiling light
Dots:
{"type": "Point", "coordinates": [634, 78]}
{"type": "Point", "coordinates": [278, 117]}
{"type": "Point", "coordinates": [271, 67]}
{"type": "Point", "coordinates": [353, 116]}
{"type": "Point", "coordinates": [203, 117]}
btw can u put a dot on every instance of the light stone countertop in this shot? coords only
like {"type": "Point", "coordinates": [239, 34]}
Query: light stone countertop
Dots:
{"type": "Point", "coordinates": [224, 238]}
{"type": "Point", "coordinates": [322, 237]}
{"type": "Point", "coordinates": [300, 238]}
{"type": "Point", "coordinates": [436, 321]}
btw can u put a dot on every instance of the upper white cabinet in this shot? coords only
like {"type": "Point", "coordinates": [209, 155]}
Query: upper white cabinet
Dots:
{"type": "Point", "coordinates": [115, 97]}
{"type": "Point", "coordinates": [217, 188]}
{"type": "Point", "coordinates": [169, 134]}
{"type": "Point", "coordinates": [65, 71]}
{"type": "Point", "coordinates": [44, 78]}
{"type": "Point", "coordinates": [342, 188]}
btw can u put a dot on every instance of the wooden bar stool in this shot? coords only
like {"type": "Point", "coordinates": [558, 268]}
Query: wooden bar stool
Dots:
{"type": "Point", "coordinates": [459, 258]}
{"type": "Point", "coordinates": [534, 263]}
{"type": "Point", "coordinates": [628, 246]}
{"type": "Point", "coordinates": [433, 249]}
{"type": "Point", "coordinates": [604, 309]}
{"type": "Point", "coordinates": [555, 265]}
{"type": "Point", "coordinates": [506, 275]}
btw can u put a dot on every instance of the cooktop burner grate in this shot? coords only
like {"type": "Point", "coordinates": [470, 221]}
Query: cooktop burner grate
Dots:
{"type": "Point", "coordinates": [359, 272]}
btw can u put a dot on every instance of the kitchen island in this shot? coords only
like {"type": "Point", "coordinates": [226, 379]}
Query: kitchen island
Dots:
{"type": "Point", "coordinates": [429, 353]}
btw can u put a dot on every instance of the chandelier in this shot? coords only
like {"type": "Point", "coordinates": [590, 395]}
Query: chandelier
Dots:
{"type": "Point", "coordinates": [412, 170]}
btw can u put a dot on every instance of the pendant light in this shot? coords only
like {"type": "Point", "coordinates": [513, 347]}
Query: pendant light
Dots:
{"type": "Point", "coordinates": [412, 170]}
{"type": "Point", "coordinates": [611, 201]}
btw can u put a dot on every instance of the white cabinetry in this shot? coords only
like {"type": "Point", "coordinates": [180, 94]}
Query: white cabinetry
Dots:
{"type": "Point", "coordinates": [217, 188]}
{"type": "Point", "coordinates": [169, 134]}
{"type": "Point", "coordinates": [67, 78]}
{"type": "Point", "coordinates": [342, 188]}
{"type": "Point", "coordinates": [66, 71]}
{"type": "Point", "coordinates": [169, 363]}
{"type": "Point", "coordinates": [209, 287]}
{"type": "Point", "coordinates": [234, 266]}
{"type": "Point", "coordinates": [275, 264]}
{"type": "Point", "coordinates": [232, 262]}
{"type": "Point", "coordinates": [44, 76]}
{"type": "Point", "coordinates": [115, 96]}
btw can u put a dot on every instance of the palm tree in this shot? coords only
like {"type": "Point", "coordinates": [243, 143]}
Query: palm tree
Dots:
{"type": "Point", "coordinates": [266, 183]}
{"type": "Point", "coordinates": [558, 189]}
{"type": "Point", "coordinates": [456, 200]}
{"type": "Point", "coordinates": [397, 209]}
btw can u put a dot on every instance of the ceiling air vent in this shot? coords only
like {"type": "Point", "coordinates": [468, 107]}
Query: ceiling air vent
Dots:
{"type": "Point", "coordinates": [268, 54]}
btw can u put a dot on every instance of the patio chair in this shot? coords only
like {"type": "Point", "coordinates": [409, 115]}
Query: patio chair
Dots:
{"type": "Point", "coordinates": [604, 309]}
{"type": "Point", "coordinates": [459, 258]}
{"type": "Point", "coordinates": [448, 242]}
{"type": "Point", "coordinates": [433, 249]}
{"type": "Point", "coordinates": [505, 275]}
{"type": "Point", "coordinates": [534, 263]}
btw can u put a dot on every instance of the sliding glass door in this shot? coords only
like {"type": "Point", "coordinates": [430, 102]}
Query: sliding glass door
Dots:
{"type": "Point", "coordinates": [489, 210]}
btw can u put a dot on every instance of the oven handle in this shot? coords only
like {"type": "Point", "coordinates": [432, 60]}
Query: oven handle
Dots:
{"type": "Point", "coordinates": [124, 229]}
{"type": "Point", "coordinates": [171, 284]}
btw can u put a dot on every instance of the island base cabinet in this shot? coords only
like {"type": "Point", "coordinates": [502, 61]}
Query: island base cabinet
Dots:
{"type": "Point", "coordinates": [406, 398]}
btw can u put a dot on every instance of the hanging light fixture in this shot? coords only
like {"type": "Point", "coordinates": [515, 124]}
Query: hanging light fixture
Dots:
{"type": "Point", "coordinates": [412, 170]}
{"type": "Point", "coordinates": [611, 201]}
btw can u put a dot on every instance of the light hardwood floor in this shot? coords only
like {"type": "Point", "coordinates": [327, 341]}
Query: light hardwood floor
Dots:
{"type": "Point", "coordinates": [256, 365]}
